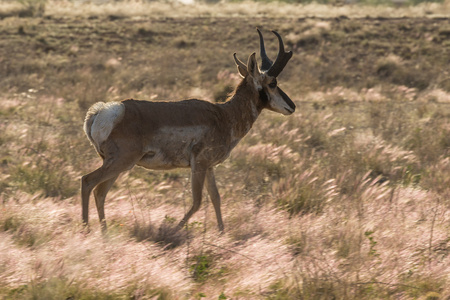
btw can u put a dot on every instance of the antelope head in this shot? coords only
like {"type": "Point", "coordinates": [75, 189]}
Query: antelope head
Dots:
{"type": "Point", "coordinates": [264, 79]}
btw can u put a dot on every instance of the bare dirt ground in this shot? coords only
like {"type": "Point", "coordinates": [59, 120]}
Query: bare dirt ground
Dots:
{"type": "Point", "coordinates": [170, 56]}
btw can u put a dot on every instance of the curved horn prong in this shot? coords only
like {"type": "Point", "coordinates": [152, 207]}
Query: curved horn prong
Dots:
{"type": "Point", "coordinates": [266, 61]}
{"type": "Point", "coordinates": [280, 41]}
{"type": "Point", "coordinates": [282, 58]}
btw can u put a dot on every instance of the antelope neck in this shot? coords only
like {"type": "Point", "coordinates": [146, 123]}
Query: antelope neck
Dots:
{"type": "Point", "coordinates": [243, 109]}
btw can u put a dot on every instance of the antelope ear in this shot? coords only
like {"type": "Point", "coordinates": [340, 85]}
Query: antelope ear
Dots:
{"type": "Point", "coordinates": [252, 65]}
{"type": "Point", "coordinates": [242, 69]}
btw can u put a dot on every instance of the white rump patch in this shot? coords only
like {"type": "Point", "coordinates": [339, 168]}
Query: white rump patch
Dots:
{"type": "Point", "coordinates": [103, 117]}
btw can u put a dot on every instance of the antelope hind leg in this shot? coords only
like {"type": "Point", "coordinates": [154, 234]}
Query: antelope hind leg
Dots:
{"type": "Point", "coordinates": [100, 192]}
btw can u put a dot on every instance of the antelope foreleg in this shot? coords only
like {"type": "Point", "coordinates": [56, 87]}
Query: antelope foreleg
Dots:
{"type": "Point", "coordinates": [198, 179]}
{"type": "Point", "coordinates": [215, 196]}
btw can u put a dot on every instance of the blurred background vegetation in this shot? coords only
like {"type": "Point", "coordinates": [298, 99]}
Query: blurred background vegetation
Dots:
{"type": "Point", "coordinates": [29, 8]}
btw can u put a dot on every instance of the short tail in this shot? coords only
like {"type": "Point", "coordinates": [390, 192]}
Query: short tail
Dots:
{"type": "Point", "coordinates": [89, 120]}
{"type": "Point", "coordinates": [100, 121]}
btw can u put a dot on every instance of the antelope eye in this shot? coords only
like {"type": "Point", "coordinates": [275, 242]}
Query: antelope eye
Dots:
{"type": "Point", "coordinates": [273, 84]}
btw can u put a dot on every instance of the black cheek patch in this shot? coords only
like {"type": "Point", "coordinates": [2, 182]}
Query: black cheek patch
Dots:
{"type": "Point", "coordinates": [263, 97]}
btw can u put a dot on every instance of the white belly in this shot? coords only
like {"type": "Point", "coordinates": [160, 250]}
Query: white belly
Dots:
{"type": "Point", "coordinates": [171, 147]}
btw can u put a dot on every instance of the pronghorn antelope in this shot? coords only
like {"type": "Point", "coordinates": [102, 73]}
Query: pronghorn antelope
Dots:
{"type": "Point", "coordinates": [186, 134]}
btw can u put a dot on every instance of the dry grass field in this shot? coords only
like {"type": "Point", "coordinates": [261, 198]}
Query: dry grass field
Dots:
{"type": "Point", "coordinates": [348, 198]}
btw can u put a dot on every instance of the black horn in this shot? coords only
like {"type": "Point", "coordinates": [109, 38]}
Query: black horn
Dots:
{"type": "Point", "coordinates": [282, 58]}
{"type": "Point", "coordinates": [266, 61]}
